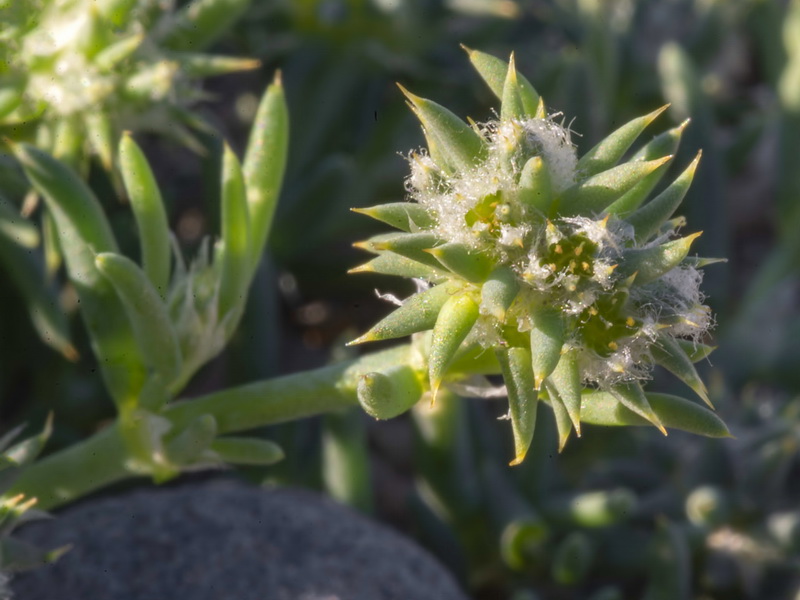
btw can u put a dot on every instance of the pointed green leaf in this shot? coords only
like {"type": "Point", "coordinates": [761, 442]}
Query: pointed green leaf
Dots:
{"type": "Point", "coordinates": [410, 245]}
{"type": "Point", "coordinates": [455, 321]}
{"type": "Point", "coordinates": [69, 195]}
{"type": "Point", "coordinates": [519, 100]}
{"type": "Point", "coordinates": [111, 56]}
{"type": "Point", "coordinates": [566, 382]}
{"type": "Point", "coordinates": [418, 313]}
{"type": "Point", "coordinates": [535, 188]}
{"type": "Point", "coordinates": [236, 250]}
{"type": "Point", "coordinates": [389, 263]}
{"type": "Point", "coordinates": [70, 137]}
{"type": "Point", "coordinates": [647, 220]}
{"type": "Point", "coordinates": [102, 138]}
{"type": "Point", "coordinates": [698, 262]}
{"type": "Point", "coordinates": [598, 192]}
{"type": "Point", "coordinates": [387, 394]}
{"type": "Point", "coordinates": [465, 262]}
{"type": "Point", "coordinates": [83, 231]}
{"type": "Point", "coordinates": [148, 209]}
{"type": "Point", "coordinates": [610, 150]}
{"type": "Point", "coordinates": [522, 398]}
{"type": "Point", "coordinates": [189, 445]}
{"type": "Point", "coordinates": [669, 354]}
{"type": "Point", "coordinates": [563, 422]}
{"type": "Point", "coordinates": [695, 350]}
{"type": "Point", "coordinates": [499, 291]}
{"type": "Point", "coordinates": [494, 72]}
{"type": "Point", "coordinates": [407, 216]}
{"type": "Point", "coordinates": [19, 555]}
{"type": "Point", "coordinates": [664, 144]}
{"type": "Point", "coordinates": [152, 327]}
{"type": "Point", "coordinates": [547, 339]}
{"type": "Point", "coordinates": [459, 146]}
{"type": "Point", "coordinates": [194, 64]}
{"type": "Point", "coordinates": [632, 396]}
{"type": "Point", "coordinates": [24, 452]}
{"type": "Point", "coordinates": [247, 451]}
{"type": "Point", "coordinates": [651, 263]}
{"type": "Point", "coordinates": [265, 163]}
{"type": "Point", "coordinates": [26, 270]}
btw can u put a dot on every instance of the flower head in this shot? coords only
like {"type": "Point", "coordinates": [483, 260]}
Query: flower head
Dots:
{"type": "Point", "coordinates": [557, 264]}
{"type": "Point", "coordinates": [80, 72]}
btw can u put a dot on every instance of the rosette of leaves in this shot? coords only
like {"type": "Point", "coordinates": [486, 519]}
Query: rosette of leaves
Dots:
{"type": "Point", "coordinates": [16, 555]}
{"type": "Point", "coordinates": [562, 268]}
{"type": "Point", "coordinates": [75, 74]}
{"type": "Point", "coordinates": [153, 325]}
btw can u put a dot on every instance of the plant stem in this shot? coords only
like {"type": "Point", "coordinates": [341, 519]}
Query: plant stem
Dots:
{"type": "Point", "coordinates": [103, 458]}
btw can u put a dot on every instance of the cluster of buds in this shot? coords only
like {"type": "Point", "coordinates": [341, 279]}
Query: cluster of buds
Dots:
{"type": "Point", "coordinates": [75, 74]}
{"type": "Point", "coordinates": [555, 264]}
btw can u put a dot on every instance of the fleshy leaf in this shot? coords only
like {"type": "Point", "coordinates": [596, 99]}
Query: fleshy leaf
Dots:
{"type": "Point", "coordinates": [247, 451]}
{"type": "Point", "coordinates": [148, 209]}
{"type": "Point", "coordinates": [147, 313]}
{"type": "Point", "coordinates": [609, 151]}
{"type": "Point", "coordinates": [463, 261]}
{"type": "Point", "coordinates": [522, 398]}
{"type": "Point", "coordinates": [669, 354]}
{"type": "Point", "coordinates": [647, 220]}
{"type": "Point", "coordinates": [535, 188]}
{"type": "Point", "coordinates": [598, 192]}
{"type": "Point", "coordinates": [418, 313]}
{"type": "Point", "coordinates": [547, 339]}
{"type": "Point", "coordinates": [651, 263]}
{"type": "Point", "coordinates": [498, 292]}
{"type": "Point", "coordinates": [235, 265]}
{"type": "Point", "coordinates": [566, 382]}
{"type": "Point", "coordinates": [406, 216]}
{"type": "Point", "coordinates": [455, 321]}
{"type": "Point", "coordinates": [389, 263]}
{"type": "Point", "coordinates": [633, 397]}
{"type": "Point", "coordinates": [459, 146]}
{"type": "Point", "coordinates": [602, 408]}
{"type": "Point", "coordinates": [494, 72]}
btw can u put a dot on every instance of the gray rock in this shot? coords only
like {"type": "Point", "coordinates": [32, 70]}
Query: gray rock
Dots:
{"type": "Point", "coordinates": [225, 540]}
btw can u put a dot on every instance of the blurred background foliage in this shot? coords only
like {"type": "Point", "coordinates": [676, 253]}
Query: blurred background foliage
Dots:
{"type": "Point", "coordinates": [620, 514]}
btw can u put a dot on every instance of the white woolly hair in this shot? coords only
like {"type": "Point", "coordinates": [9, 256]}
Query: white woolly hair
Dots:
{"type": "Point", "coordinates": [510, 144]}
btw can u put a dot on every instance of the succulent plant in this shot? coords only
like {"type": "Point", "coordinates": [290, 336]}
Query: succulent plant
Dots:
{"type": "Point", "coordinates": [74, 75]}
{"type": "Point", "coordinates": [15, 554]}
{"type": "Point", "coordinates": [554, 263]}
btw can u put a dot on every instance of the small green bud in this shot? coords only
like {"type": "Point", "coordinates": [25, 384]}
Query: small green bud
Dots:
{"type": "Point", "coordinates": [385, 395]}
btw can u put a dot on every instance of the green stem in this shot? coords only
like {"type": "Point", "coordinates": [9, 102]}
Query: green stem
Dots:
{"type": "Point", "coordinates": [103, 458]}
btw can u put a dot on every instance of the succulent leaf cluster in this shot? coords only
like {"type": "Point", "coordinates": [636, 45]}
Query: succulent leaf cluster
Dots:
{"type": "Point", "coordinates": [153, 325]}
{"type": "Point", "coordinates": [74, 74]}
{"type": "Point", "coordinates": [16, 509]}
{"type": "Point", "coordinates": [563, 267]}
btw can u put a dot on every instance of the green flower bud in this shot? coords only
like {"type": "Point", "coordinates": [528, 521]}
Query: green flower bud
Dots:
{"type": "Point", "coordinates": [559, 259]}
